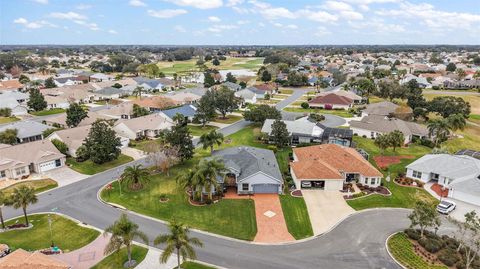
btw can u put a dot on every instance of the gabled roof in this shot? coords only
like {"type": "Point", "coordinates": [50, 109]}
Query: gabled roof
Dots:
{"type": "Point", "coordinates": [25, 128]}
{"type": "Point", "coordinates": [153, 83]}
{"type": "Point", "coordinates": [249, 161]}
{"type": "Point", "coordinates": [155, 121]}
{"type": "Point", "coordinates": [33, 152]}
{"type": "Point", "coordinates": [329, 161]}
{"type": "Point", "coordinates": [451, 166]}
{"type": "Point", "coordinates": [303, 127]}
{"type": "Point", "coordinates": [185, 110]}
{"type": "Point", "coordinates": [381, 108]}
{"type": "Point", "coordinates": [10, 84]}
{"type": "Point", "coordinates": [246, 93]}
{"type": "Point", "coordinates": [21, 259]}
{"type": "Point", "coordinates": [384, 124]}
{"type": "Point", "coordinates": [73, 137]}
{"type": "Point", "coordinates": [156, 102]}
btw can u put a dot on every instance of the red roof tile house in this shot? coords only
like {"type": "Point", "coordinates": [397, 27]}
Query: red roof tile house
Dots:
{"type": "Point", "coordinates": [329, 166]}
{"type": "Point", "coordinates": [331, 101]}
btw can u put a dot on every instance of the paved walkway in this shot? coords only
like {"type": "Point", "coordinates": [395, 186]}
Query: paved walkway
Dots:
{"type": "Point", "coordinates": [88, 256]}
{"type": "Point", "coordinates": [152, 260]}
{"type": "Point", "coordinates": [136, 154]}
{"type": "Point", "coordinates": [326, 209]}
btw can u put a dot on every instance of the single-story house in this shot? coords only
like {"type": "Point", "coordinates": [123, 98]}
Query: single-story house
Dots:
{"type": "Point", "coordinates": [251, 170]}
{"type": "Point", "coordinates": [184, 97]}
{"type": "Point", "coordinates": [329, 166]}
{"type": "Point", "coordinates": [149, 126]}
{"type": "Point", "coordinates": [12, 103]}
{"type": "Point", "coordinates": [188, 111]}
{"type": "Point", "coordinates": [11, 84]}
{"type": "Point", "coordinates": [248, 96]}
{"type": "Point", "coordinates": [156, 103]}
{"type": "Point", "coordinates": [67, 81]}
{"type": "Point", "coordinates": [421, 81]}
{"type": "Point", "coordinates": [27, 131]}
{"type": "Point", "coordinates": [349, 94]}
{"type": "Point", "coordinates": [374, 125]}
{"type": "Point", "coordinates": [232, 86]}
{"type": "Point", "coordinates": [24, 159]}
{"type": "Point", "coordinates": [385, 109]}
{"type": "Point", "coordinates": [21, 259]}
{"type": "Point", "coordinates": [60, 121]}
{"type": "Point", "coordinates": [121, 111]}
{"type": "Point", "coordinates": [22, 98]}
{"type": "Point", "coordinates": [331, 101]}
{"type": "Point", "coordinates": [459, 174]}
{"type": "Point", "coordinates": [149, 84]}
{"type": "Point", "coordinates": [101, 77]}
{"type": "Point", "coordinates": [112, 93]}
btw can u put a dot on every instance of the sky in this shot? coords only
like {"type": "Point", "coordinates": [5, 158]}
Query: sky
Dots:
{"type": "Point", "coordinates": [240, 22]}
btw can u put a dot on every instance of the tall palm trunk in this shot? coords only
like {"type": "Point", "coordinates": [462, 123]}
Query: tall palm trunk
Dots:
{"type": "Point", "coordinates": [25, 214]}
{"type": "Point", "coordinates": [129, 254]}
{"type": "Point", "coordinates": [1, 218]}
{"type": "Point", "coordinates": [178, 257]}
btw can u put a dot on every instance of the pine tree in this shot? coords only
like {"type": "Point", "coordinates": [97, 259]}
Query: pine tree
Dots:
{"type": "Point", "coordinates": [36, 101]}
{"type": "Point", "coordinates": [102, 144]}
{"type": "Point", "coordinates": [180, 138]}
{"type": "Point", "coordinates": [280, 133]}
{"type": "Point", "coordinates": [75, 115]}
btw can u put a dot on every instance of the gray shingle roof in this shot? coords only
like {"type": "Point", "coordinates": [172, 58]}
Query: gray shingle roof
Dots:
{"type": "Point", "coordinates": [185, 110]}
{"type": "Point", "coordinates": [303, 127]}
{"type": "Point", "coordinates": [382, 108]}
{"type": "Point", "coordinates": [250, 161]}
{"type": "Point", "coordinates": [25, 128]}
{"type": "Point", "coordinates": [382, 124]}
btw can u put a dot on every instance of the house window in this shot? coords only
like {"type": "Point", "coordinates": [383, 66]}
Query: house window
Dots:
{"type": "Point", "coordinates": [366, 180]}
{"type": "Point", "coordinates": [58, 163]}
{"type": "Point", "coordinates": [20, 171]}
{"type": "Point", "coordinates": [245, 187]}
{"type": "Point", "coordinates": [3, 174]}
{"type": "Point", "coordinates": [372, 181]}
{"type": "Point", "coordinates": [417, 174]}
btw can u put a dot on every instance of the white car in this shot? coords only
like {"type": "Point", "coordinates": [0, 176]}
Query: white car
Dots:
{"type": "Point", "coordinates": [445, 207]}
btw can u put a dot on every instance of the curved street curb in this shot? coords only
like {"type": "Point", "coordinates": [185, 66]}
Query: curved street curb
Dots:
{"type": "Point", "coordinates": [390, 254]}
{"type": "Point", "coordinates": [99, 198]}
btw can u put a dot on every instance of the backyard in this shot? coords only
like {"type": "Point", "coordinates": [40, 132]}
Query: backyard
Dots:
{"type": "Point", "coordinates": [198, 130]}
{"type": "Point", "coordinates": [89, 168]}
{"type": "Point", "coordinates": [474, 100]}
{"type": "Point", "coordinates": [341, 113]}
{"type": "Point", "coordinates": [169, 68]}
{"type": "Point", "coordinates": [48, 112]}
{"type": "Point", "coordinates": [68, 235]}
{"type": "Point", "coordinates": [404, 197]}
{"type": "Point", "coordinates": [4, 120]}
{"type": "Point", "coordinates": [228, 120]}
{"type": "Point", "coordinates": [39, 185]}
{"type": "Point", "coordinates": [234, 218]}
{"type": "Point", "coordinates": [117, 259]}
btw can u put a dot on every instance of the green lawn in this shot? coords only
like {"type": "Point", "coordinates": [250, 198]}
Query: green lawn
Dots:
{"type": "Point", "coordinates": [341, 113]}
{"type": "Point", "coordinates": [279, 96]}
{"type": "Point", "coordinates": [199, 130]}
{"type": "Point", "coordinates": [229, 120]}
{"type": "Point", "coordinates": [194, 265]}
{"type": "Point", "coordinates": [117, 259]}
{"type": "Point", "coordinates": [404, 197]}
{"type": "Point", "coordinates": [470, 139]}
{"type": "Point", "coordinates": [8, 119]}
{"type": "Point", "coordinates": [48, 112]}
{"type": "Point", "coordinates": [39, 185]}
{"type": "Point", "coordinates": [296, 216]}
{"type": "Point", "coordinates": [188, 66]}
{"type": "Point", "coordinates": [89, 168]}
{"type": "Point", "coordinates": [285, 91]}
{"type": "Point", "coordinates": [67, 234]}
{"type": "Point", "coordinates": [474, 117]}
{"type": "Point", "coordinates": [402, 249]}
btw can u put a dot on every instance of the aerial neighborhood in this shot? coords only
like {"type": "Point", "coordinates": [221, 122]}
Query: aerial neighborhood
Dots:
{"type": "Point", "coordinates": [239, 156]}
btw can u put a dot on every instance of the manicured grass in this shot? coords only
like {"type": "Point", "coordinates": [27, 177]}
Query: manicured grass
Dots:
{"type": "Point", "coordinates": [199, 130]}
{"type": "Point", "coordinates": [117, 259]}
{"type": "Point", "coordinates": [470, 139]}
{"type": "Point", "coordinates": [8, 119]}
{"type": "Point", "coordinates": [285, 91]}
{"type": "Point", "coordinates": [229, 120]}
{"type": "Point", "coordinates": [67, 234]}
{"type": "Point", "coordinates": [89, 168]}
{"type": "Point", "coordinates": [296, 216]}
{"type": "Point", "coordinates": [188, 66]}
{"type": "Point", "coordinates": [48, 112]}
{"type": "Point", "coordinates": [474, 117]}
{"type": "Point", "coordinates": [340, 113]}
{"type": "Point", "coordinates": [404, 197]}
{"type": "Point", "coordinates": [279, 96]}
{"type": "Point", "coordinates": [39, 185]}
{"type": "Point", "coordinates": [402, 249]}
{"type": "Point", "coordinates": [194, 265]}
{"type": "Point", "coordinates": [268, 102]}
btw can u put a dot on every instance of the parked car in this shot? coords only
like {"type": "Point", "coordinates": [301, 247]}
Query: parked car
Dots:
{"type": "Point", "coordinates": [445, 207]}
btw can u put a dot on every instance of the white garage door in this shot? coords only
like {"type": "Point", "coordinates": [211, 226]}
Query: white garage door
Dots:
{"type": "Point", "coordinates": [466, 197]}
{"type": "Point", "coordinates": [265, 188]}
{"type": "Point", "coordinates": [47, 166]}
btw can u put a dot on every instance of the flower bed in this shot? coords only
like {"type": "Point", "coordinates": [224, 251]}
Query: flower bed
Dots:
{"type": "Point", "coordinates": [296, 193]}
{"type": "Point", "coordinates": [366, 190]}
{"type": "Point", "coordinates": [409, 182]}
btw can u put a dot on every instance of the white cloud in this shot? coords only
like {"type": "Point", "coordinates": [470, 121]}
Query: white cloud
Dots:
{"type": "Point", "coordinates": [277, 24]}
{"type": "Point", "coordinates": [43, 2]}
{"type": "Point", "coordinates": [242, 22]}
{"type": "Point", "coordinates": [292, 26]}
{"type": "Point", "coordinates": [33, 24]}
{"type": "Point", "coordinates": [67, 16]}
{"type": "Point", "coordinates": [180, 29]}
{"type": "Point", "coordinates": [90, 25]}
{"type": "Point", "coordinates": [319, 16]}
{"type": "Point", "coordinates": [241, 10]}
{"type": "Point", "coordinates": [278, 12]}
{"type": "Point", "coordinates": [231, 3]}
{"type": "Point", "coordinates": [113, 32]}
{"type": "Point", "coordinates": [351, 15]}
{"type": "Point", "coordinates": [83, 6]}
{"type": "Point", "coordinates": [200, 4]}
{"type": "Point", "coordinates": [214, 19]}
{"type": "Point", "coordinates": [166, 13]}
{"type": "Point", "coordinates": [336, 6]}
{"type": "Point", "coordinates": [221, 27]}
{"type": "Point", "coordinates": [137, 3]}
{"type": "Point", "coordinates": [322, 31]}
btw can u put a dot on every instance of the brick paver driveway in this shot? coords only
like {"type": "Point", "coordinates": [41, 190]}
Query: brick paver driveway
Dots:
{"type": "Point", "coordinates": [271, 226]}
{"type": "Point", "coordinates": [88, 256]}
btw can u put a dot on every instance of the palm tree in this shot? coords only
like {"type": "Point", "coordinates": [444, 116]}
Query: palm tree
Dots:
{"type": "Point", "coordinates": [190, 179]}
{"type": "Point", "coordinates": [135, 176]}
{"type": "Point", "coordinates": [440, 129]}
{"type": "Point", "coordinates": [209, 140]}
{"type": "Point", "coordinates": [123, 232]}
{"type": "Point", "coordinates": [456, 122]}
{"type": "Point", "coordinates": [3, 201]}
{"type": "Point", "coordinates": [209, 171]}
{"type": "Point", "coordinates": [137, 92]}
{"type": "Point", "coordinates": [22, 197]}
{"type": "Point", "coordinates": [178, 240]}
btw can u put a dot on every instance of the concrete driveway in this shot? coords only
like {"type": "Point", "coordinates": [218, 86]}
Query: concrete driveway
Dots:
{"type": "Point", "coordinates": [64, 176]}
{"type": "Point", "coordinates": [326, 209]}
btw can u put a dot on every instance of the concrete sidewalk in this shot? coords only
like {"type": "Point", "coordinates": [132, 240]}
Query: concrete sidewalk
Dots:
{"type": "Point", "coordinates": [152, 260]}
{"type": "Point", "coordinates": [88, 256]}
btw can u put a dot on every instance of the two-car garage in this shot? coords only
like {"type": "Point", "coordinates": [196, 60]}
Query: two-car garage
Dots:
{"type": "Point", "coordinates": [46, 166]}
{"type": "Point", "coordinates": [266, 188]}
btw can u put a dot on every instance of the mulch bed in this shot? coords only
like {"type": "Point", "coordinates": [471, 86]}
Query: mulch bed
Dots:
{"type": "Point", "coordinates": [296, 193]}
{"type": "Point", "coordinates": [438, 189]}
{"type": "Point", "coordinates": [384, 162]}
{"type": "Point", "coordinates": [17, 226]}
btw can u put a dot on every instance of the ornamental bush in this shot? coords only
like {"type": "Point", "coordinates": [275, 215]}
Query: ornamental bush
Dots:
{"type": "Point", "coordinates": [305, 105]}
{"type": "Point", "coordinates": [448, 256]}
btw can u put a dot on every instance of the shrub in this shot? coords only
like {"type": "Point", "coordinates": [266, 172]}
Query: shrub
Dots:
{"type": "Point", "coordinates": [431, 245]}
{"type": "Point", "coordinates": [305, 105]}
{"type": "Point", "coordinates": [272, 148]}
{"type": "Point", "coordinates": [62, 147]}
{"type": "Point", "coordinates": [450, 242]}
{"type": "Point", "coordinates": [413, 234]}
{"type": "Point", "coordinates": [448, 256]}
